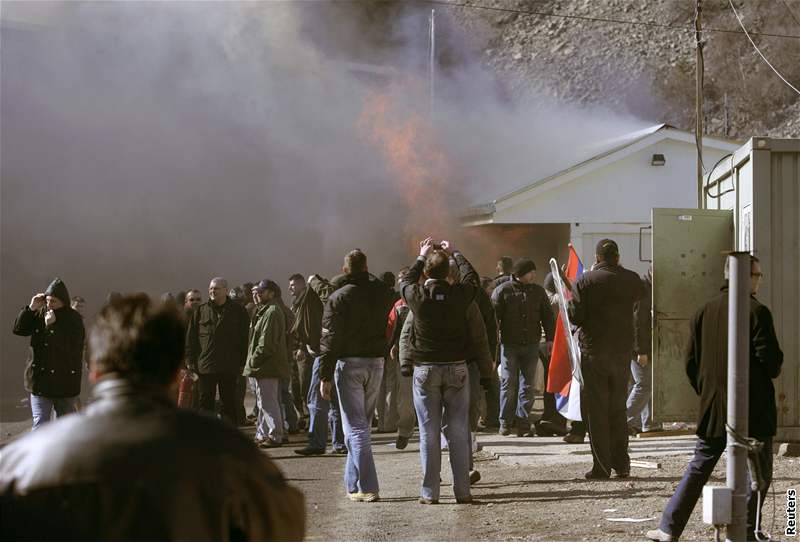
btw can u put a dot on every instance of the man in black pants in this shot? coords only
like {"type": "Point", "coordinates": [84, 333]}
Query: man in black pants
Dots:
{"type": "Point", "coordinates": [707, 369]}
{"type": "Point", "coordinates": [602, 307]}
{"type": "Point", "coordinates": [216, 347]}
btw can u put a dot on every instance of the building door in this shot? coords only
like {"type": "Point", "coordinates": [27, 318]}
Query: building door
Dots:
{"type": "Point", "coordinates": [689, 247]}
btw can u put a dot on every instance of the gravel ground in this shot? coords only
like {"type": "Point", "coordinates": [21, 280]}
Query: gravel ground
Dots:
{"type": "Point", "coordinates": [541, 500]}
{"type": "Point", "coordinates": [513, 503]}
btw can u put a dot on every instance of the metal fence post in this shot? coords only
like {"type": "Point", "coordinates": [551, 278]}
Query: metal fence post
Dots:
{"type": "Point", "coordinates": [738, 390]}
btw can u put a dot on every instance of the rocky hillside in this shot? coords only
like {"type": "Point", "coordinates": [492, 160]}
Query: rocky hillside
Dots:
{"type": "Point", "coordinates": [647, 70]}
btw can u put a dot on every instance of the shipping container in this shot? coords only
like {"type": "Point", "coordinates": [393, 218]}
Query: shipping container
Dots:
{"type": "Point", "coordinates": [760, 183]}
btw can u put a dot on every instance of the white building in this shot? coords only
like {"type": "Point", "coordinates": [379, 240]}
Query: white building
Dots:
{"type": "Point", "coordinates": [610, 194]}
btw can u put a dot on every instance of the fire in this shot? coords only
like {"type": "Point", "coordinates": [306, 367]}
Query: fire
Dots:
{"type": "Point", "coordinates": [415, 162]}
{"type": "Point", "coordinates": [426, 180]}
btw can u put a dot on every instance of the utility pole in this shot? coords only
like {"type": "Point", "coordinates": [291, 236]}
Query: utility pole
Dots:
{"type": "Point", "coordinates": [698, 38]}
{"type": "Point", "coordinates": [738, 391]}
{"type": "Point", "coordinates": [432, 60]}
{"type": "Point", "coordinates": [726, 118]}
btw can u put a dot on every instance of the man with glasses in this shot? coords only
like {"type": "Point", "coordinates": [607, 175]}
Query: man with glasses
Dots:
{"type": "Point", "coordinates": [707, 369]}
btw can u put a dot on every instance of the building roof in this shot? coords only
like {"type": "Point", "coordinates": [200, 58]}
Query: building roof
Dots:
{"type": "Point", "coordinates": [604, 153]}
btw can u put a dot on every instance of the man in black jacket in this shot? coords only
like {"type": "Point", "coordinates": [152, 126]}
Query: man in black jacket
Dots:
{"type": "Point", "coordinates": [707, 369]}
{"type": "Point", "coordinates": [638, 404]}
{"type": "Point", "coordinates": [602, 307]}
{"type": "Point", "coordinates": [522, 310]}
{"type": "Point", "coordinates": [439, 347]}
{"type": "Point", "coordinates": [53, 374]}
{"type": "Point", "coordinates": [353, 344]}
{"type": "Point", "coordinates": [216, 347]}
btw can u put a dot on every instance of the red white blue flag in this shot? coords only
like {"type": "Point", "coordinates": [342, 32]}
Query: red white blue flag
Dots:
{"type": "Point", "coordinates": [564, 378]}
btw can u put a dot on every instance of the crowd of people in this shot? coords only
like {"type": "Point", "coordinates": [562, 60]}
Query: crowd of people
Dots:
{"type": "Point", "coordinates": [449, 352]}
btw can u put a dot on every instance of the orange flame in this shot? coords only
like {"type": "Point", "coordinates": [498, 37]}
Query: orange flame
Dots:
{"type": "Point", "coordinates": [418, 166]}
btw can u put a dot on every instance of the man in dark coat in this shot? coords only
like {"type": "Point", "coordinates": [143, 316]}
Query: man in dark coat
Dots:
{"type": "Point", "coordinates": [602, 307]}
{"type": "Point", "coordinates": [439, 347]}
{"type": "Point", "coordinates": [53, 373]}
{"type": "Point", "coordinates": [352, 347]}
{"type": "Point", "coordinates": [523, 311]}
{"type": "Point", "coordinates": [216, 347]}
{"type": "Point", "coordinates": [324, 416]}
{"type": "Point", "coordinates": [707, 369]}
{"type": "Point", "coordinates": [132, 466]}
{"type": "Point", "coordinates": [638, 405]}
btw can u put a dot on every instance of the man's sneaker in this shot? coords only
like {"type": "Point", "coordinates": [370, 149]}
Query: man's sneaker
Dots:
{"type": "Point", "coordinates": [474, 477]}
{"type": "Point", "coordinates": [363, 497]}
{"type": "Point", "coordinates": [596, 475]}
{"type": "Point", "coordinates": [622, 473]}
{"type": "Point", "coordinates": [574, 439]}
{"type": "Point", "coordinates": [269, 443]}
{"type": "Point", "coordinates": [310, 451]}
{"type": "Point", "coordinates": [339, 451]}
{"type": "Point", "coordinates": [423, 500]}
{"type": "Point", "coordinates": [401, 442]}
{"type": "Point", "coordinates": [660, 536]}
{"type": "Point", "coordinates": [505, 431]}
{"type": "Point", "coordinates": [633, 431]}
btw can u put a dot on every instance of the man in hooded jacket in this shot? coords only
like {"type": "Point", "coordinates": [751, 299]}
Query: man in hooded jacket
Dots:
{"type": "Point", "coordinates": [53, 373]}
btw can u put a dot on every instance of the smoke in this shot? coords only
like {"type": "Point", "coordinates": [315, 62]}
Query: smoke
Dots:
{"type": "Point", "coordinates": [149, 146]}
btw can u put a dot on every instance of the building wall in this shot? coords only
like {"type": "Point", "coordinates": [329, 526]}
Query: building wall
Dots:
{"type": "Point", "coordinates": [621, 192]}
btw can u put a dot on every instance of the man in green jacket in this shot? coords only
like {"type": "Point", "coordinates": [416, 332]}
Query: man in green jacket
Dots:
{"type": "Point", "coordinates": [267, 362]}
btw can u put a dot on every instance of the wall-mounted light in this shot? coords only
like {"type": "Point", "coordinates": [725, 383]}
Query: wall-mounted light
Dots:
{"type": "Point", "coordinates": [658, 160]}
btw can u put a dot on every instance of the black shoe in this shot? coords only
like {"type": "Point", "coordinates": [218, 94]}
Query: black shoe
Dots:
{"type": "Point", "coordinates": [505, 431]}
{"type": "Point", "coordinates": [269, 443]}
{"type": "Point", "coordinates": [633, 431]}
{"type": "Point", "coordinates": [550, 429]}
{"type": "Point", "coordinates": [524, 432]}
{"type": "Point", "coordinates": [622, 473]}
{"type": "Point", "coordinates": [339, 451]}
{"type": "Point", "coordinates": [596, 475]}
{"type": "Point", "coordinates": [309, 451]}
{"type": "Point", "coordinates": [474, 477]}
{"type": "Point", "coordinates": [572, 438]}
{"type": "Point", "coordinates": [401, 443]}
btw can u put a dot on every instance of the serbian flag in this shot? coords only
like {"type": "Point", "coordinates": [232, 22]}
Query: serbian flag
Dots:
{"type": "Point", "coordinates": [564, 380]}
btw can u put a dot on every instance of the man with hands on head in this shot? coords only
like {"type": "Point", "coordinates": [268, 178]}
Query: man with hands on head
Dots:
{"type": "Point", "coordinates": [53, 373]}
{"type": "Point", "coordinates": [439, 346]}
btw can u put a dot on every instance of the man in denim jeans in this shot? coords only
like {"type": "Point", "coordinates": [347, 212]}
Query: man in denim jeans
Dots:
{"type": "Point", "coordinates": [522, 310]}
{"type": "Point", "coordinates": [353, 345]}
{"type": "Point", "coordinates": [639, 398]}
{"type": "Point", "coordinates": [439, 348]}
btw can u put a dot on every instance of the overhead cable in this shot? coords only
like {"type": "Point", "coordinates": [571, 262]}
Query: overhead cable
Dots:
{"type": "Point", "coordinates": [759, 50]}
{"type": "Point", "coordinates": [597, 19]}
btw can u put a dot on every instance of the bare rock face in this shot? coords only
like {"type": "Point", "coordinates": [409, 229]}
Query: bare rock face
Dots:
{"type": "Point", "coordinates": [648, 70]}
